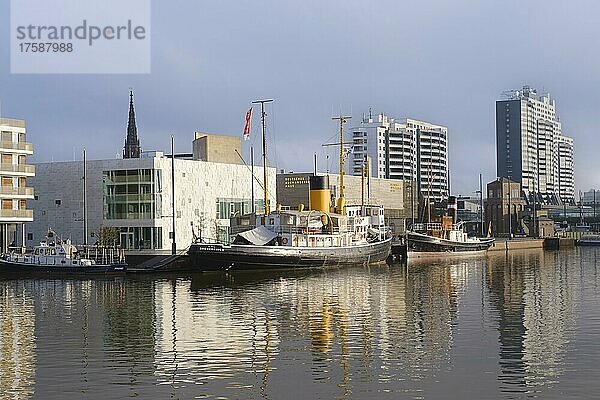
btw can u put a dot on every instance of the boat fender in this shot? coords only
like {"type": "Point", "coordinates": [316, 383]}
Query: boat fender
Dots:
{"type": "Point", "coordinates": [284, 240]}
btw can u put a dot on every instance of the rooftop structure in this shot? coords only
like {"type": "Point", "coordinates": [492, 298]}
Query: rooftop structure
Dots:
{"type": "Point", "coordinates": [217, 148]}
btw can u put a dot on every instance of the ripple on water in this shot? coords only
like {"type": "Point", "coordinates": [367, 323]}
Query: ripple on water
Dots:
{"type": "Point", "coordinates": [503, 326]}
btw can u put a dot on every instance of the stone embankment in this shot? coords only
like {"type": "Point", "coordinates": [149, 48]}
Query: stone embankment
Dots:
{"type": "Point", "coordinates": [504, 244]}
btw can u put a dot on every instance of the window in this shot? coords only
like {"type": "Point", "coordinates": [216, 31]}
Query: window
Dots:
{"type": "Point", "coordinates": [129, 194]}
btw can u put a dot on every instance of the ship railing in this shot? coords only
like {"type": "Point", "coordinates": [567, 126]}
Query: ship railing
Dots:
{"type": "Point", "coordinates": [212, 240]}
{"type": "Point", "coordinates": [303, 230]}
{"type": "Point", "coordinates": [430, 226]}
{"type": "Point", "coordinates": [101, 254]}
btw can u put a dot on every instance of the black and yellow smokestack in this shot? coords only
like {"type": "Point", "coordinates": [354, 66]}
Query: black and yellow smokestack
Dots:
{"type": "Point", "coordinates": [319, 193]}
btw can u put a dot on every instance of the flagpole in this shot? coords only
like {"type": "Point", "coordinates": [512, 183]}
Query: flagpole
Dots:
{"type": "Point", "coordinates": [246, 135]}
{"type": "Point", "coordinates": [252, 179]}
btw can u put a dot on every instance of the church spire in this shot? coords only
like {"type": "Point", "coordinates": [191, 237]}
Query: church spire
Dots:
{"type": "Point", "coordinates": [132, 143]}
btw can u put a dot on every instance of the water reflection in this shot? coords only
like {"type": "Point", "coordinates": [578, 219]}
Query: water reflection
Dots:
{"type": "Point", "coordinates": [17, 343]}
{"type": "Point", "coordinates": [504, 326]}
{"type": "Point", "coordinates": [536, 315]}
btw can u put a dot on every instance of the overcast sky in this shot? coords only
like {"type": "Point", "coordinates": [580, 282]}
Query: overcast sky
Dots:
{"type": "Point", "coordinates": [442, 61]}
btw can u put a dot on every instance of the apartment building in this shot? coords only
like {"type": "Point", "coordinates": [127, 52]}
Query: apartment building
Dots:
{"type": "Point", "coordinates": [406, 149]}
{"type": "Point", "coordinates": [14, 191]}
{"type": "Point", "coordinates": [530, 147]}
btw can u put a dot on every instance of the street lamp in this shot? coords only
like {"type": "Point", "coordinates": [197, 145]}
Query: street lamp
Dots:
{"type": "Point", "coordinates": [509, 214]}
{"type": "Point", "coordinates": [412, 204]}
{"type": "Point", "coordinates": [481, 203]}
{"type": "Point", "coordinates": [594, 204]}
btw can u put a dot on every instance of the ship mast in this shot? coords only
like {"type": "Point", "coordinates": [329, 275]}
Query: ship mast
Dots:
{"type": "Point", "coordinates": [362, 186]}
{"type": "Point", "coordinates": [85, 209]}
{"type": "Point", "coordinates": [264, 146]}
{"type": "Point", "coordinates": [341, 201]}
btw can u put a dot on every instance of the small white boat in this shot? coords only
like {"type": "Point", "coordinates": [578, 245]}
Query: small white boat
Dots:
{"type": "Point", "coordinates": [589, 239]}
{"type": "Point", "coordinates": [57, 256]}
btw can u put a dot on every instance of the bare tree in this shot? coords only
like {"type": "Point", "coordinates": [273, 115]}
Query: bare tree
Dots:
{"type": "Point", "coordinates": [107, 235]}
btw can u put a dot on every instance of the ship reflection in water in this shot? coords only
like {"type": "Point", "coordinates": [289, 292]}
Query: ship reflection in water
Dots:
{"type": "Point", "coordinates": [502, 326]}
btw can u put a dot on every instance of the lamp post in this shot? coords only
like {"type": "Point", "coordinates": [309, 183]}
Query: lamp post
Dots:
{"type": "Point", "coordinates": [173, 243]}
{"type": "Point", "coordinates": [481, 203]}
{"type": "Point", "coordinates": [536, 185]}
{"type": "Point", "coordinates": [412, 204]}
{"type": "Point", "coordinates": [594, 204]}
{"type": "Point", "coordinates": [509, 214]}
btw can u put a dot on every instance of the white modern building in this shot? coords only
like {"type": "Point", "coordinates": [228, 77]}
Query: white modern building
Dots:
{"type": "Point", "coordinates": [566, 180]}
{"type": "Point", "coordinates": [407, 149]}
{"type": "Point", "coordinates": [530, 147]}
{"type": "Point", "coordinates": [14, 172]}
{"type": "Point", "coordinates": [591, 197]}
{"type": "Point", "coordinates": [134, 196]}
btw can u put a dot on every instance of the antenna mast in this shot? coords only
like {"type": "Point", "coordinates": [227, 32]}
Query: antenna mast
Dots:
{"type": "Point", "coordinates": [264, 145]}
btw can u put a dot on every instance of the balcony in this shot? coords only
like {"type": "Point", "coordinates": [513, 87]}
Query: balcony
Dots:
{"type": "Point", "coordinates": [17, 169]}
{"type": "Point", "coordinates": [9, 191]}
{"type": "Point", "coordinates": [16, 215]}
{"type": "Point", "coordinates": [19, 123]}
{"type": "Point", "coordinates": [17, 147]}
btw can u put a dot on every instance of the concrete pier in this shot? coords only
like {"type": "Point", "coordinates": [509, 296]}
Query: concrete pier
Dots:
{"type": "Point", "coordinates": [517, 244]}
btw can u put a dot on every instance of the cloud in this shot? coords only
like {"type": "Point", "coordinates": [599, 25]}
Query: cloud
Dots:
{"type": "Point", "coordinates": [446, 62]}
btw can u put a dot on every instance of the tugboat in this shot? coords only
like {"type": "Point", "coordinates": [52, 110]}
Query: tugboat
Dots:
{"type": "Point", "coordinates": [428, 240]}
{"type": "Point", "coordinates": [54, 256]}
{"type": "Point", "coordinates": [301, 239]}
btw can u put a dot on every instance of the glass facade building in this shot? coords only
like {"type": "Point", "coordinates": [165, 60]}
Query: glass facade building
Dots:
{"type": "Point", "coordinates": [131, 194]}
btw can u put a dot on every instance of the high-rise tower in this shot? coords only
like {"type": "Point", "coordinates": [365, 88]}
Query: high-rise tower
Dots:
{"type": "Point", "coordinates": [530, 147]}
{"type": "Point", "coordinates": [132, 143]}
{"type": "Point", "coordinates": [406, 149]}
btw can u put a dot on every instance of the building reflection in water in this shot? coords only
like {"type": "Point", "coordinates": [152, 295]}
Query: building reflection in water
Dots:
{"type": "Point", "coordinates": [533, 294]}
{"type": "Point", "coordinates": [17, 342]}
{"type": "Point", "coordinates": [212, 333]}
{"type": "Point", "coordinates": [358, 325]}
{"type": "Point", "coordinates": [339, 333]}
{"type": "Point", "coordinates": [82, 328]}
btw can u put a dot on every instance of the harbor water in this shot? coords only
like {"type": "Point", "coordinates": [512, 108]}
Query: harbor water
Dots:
{"type": "Point", "coordinates": [511, 325]}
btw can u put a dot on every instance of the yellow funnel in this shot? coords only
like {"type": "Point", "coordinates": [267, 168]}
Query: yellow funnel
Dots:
{"type": "Point", "coordinates": [319, 193]}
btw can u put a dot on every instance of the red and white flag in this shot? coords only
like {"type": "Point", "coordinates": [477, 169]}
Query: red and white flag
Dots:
{"type": "Point", "coordinates": [248, 123]}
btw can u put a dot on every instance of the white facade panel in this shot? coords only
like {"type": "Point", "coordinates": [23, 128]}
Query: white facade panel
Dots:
{"type": "Point", "coordinates": [198, 187]}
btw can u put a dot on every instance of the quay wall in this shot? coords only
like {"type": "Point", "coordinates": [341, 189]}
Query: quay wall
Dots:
{"type": "Point", "coordinates": [555, 243]}
{"type": "Point", "coordinates": [517, 244]}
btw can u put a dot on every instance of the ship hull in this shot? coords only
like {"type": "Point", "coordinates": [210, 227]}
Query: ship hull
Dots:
{"type": "Point", "coordinates": [8, 267]}
{"type": "Point", "coordinates": [219, 257]}
{"type": "Point", "coordinates": [581, 242]}
{"type": "Point", "coordinates": [424, 246]}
